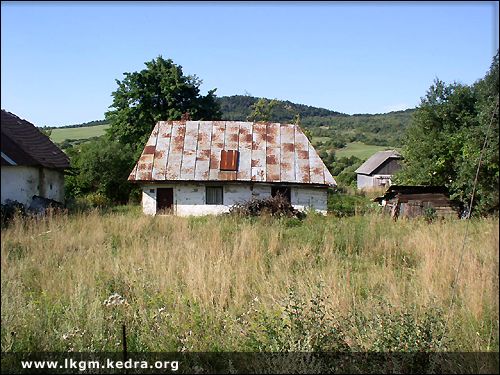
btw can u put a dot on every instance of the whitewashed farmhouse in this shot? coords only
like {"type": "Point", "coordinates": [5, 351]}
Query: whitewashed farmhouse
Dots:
{"type": "Point", "coordinates": [31, 164]}
{"type": "Point", "coordinates": [204, 167]}
{"type": "Point", "coordinates": [378, 169]}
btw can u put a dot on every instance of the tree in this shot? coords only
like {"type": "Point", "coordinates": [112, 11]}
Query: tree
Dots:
{"type": "Point", "coordinates": [158, 93]}
{"type": "Point", "coordinates": [446, 137]}
{"type": "Point", "coordinates": [262, 110]}
{"type": "Point", "coordinates": [101, 166]}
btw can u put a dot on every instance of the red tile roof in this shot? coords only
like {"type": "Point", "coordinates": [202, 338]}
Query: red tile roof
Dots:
{"type": "Point", "coordinates": [24, 144]}
{"type": "Point", "coordinates": [267, 152]}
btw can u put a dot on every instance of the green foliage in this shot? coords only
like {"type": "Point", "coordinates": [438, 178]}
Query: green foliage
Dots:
{"type": "Point", "coordinates": [445, 140]}
{"type": "Point", "coordinates": [262, 110]}
{"type": "Point", "coordinates": [342, 205]}
{"type": "Point", "coordinates": [101, 167]}
{"type": "Point", "coordinates": [159, 92]}
{"type": "Point", "coordinates": [46, 130]}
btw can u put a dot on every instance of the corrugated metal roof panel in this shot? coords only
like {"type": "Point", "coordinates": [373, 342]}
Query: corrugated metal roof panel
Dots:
{"type": "Point", "coordinates": [268, 152]}
{"type": "Point", "coordinates": [376, 160]}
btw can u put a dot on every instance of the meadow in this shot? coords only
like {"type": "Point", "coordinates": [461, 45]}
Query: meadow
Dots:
{"type": "Point", "coordinates": [360, 150]}
{"type": "Point", "coordinates": [60, 135]}
{"type": "Point", "coordinates": [362, 283]}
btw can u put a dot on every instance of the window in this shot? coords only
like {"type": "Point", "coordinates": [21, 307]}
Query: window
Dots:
{"type": "Point", "coordinates": [283, 191]}
{"type": "Point", "coordinates": [229, 160]}
{"type": "Point", "coordinates": [214, 195]}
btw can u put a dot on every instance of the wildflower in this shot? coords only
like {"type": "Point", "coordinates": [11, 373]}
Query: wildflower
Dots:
{"type": "Point", "coordinates": [115, 299]}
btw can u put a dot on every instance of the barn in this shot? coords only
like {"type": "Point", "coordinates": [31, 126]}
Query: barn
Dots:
{"type": "Point", "coordinates": [32, 166]}
{"type": "Point", "coordinates": [378, 169]}
{"type": "Point", "coordinates": [205, 167]}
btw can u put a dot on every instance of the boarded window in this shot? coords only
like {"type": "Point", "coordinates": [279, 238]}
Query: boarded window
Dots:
{"type": "Point", "coordinates": [214, 195]}
{"type": "Point", "coordinates": [229, 160]}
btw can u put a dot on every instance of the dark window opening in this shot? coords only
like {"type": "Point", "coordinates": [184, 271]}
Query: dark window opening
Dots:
{"type": "Point", "coordinates": [283, 191]}
{"type": "Point", "coordinates": [229, 160]}
{"type": "Point", "coordinates": [214, 195]}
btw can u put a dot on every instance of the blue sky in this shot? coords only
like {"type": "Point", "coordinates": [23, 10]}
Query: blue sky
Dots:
{"type": "Point", "coordinates": [59, 60]}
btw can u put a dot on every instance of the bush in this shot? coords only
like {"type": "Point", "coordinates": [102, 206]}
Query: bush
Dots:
{"type": "Point", "coordinates": [277, 206]}
{"type": "Point", "coordinates": [342, 205]}
{"type": "Point", "coordinates": [9, 210]}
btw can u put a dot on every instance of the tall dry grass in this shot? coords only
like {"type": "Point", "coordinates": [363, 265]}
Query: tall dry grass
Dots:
{"type": "Point", "coordinates": [221, 283]}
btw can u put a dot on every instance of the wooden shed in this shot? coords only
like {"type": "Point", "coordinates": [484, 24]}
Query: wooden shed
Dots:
{"type": "Point", "coordinates": [413, 201]}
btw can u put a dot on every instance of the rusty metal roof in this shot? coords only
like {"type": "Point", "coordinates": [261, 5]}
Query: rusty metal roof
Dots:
{"type": "Point", "coordinates": [24, 144]}
{"type": "Point", "coordinates": [268, 152]}
{"type": "Point", "coordinates": [376, 160]}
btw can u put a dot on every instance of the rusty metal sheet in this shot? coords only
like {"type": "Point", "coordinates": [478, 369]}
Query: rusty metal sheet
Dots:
{"type": "Point", "coordinates": [273, 153]}
{"type": "Point", "coordinates": [218, 133]}
{"type": "Point", "coordinates": [145, 168]}
{"type": "Point", "coordinates": [161, 153]}
{"type": "Point", "coordinates": [145, 164]}
{"type": "Point", "coordinates": [227, 175]}
{"type": "Point", "coordinates": [329, 178]}
{"type": "Point", "coordinates": [131, 176]}
{"type": "Point", "coordinates": [175, 152]}
{"type": "Point", "coordinates": [245, 149]}
{"type": "Point", "coordinates": [259, 152]}
{"type": "Point", "coordinates": [301, 156]}
{"type": "Point", "coordinates": [189, 154]}
{"type": "Point", "coordinates": [231, 138]}
{"type": "Point", "coordinates": [287, 146]}
{"type": "Point", "coordinates": [268, 152]}
{"type": "Point", "coordinates": [203, 151]}
{"type": "Point", "coordinates": [316, 166]}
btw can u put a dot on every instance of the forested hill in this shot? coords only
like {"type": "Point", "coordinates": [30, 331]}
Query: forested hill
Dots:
{"type": "Point", "coordinates": [385, 129]}
{"type": "Point", "coordinates": [239, 107]}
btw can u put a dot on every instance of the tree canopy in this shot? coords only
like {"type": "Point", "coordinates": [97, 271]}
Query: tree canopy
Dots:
{"type": "Point", "coordinates": [158, 93]}
{"type": "Point", "coordinates": [446, 137]}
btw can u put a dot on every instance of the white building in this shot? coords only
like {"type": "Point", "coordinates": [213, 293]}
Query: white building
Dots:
{"type": "Point", "coordinates": [204, 167]}
{"type": "Point", "coordinates": [377, 171]}
{"type": "Point", "coordinates": [31, 164]}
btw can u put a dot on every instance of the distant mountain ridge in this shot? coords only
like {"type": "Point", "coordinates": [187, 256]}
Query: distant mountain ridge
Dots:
{"type": "Point", "coordinates": [386, 129]}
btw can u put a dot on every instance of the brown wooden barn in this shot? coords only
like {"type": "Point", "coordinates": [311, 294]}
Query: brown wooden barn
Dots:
{"type": "Point", "coordinates": [414, 201]}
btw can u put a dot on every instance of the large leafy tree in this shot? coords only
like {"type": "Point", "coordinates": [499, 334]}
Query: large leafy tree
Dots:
{"type": "Point", "coordinates": [158, 93]}
{"type": "Point", "coordinates": [101, 166]}
{"type": "Point", "coordinates": [445, 141]}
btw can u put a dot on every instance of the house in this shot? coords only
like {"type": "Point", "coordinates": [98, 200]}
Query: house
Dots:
{"type": "Point", "coordinates": [204, 167]}
{"type": "Point", "coordinates": [32, 166]}
{"type": "Point", "coordinates": [413, 201]}
{"type": "Point", "coordinates": [378, 169]}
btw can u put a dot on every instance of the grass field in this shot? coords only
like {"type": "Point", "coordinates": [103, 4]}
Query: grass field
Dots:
{"type": "Point", "coordinates": [60, 135]}
{"type": "Point", "coordinates": [360, 150]}
{"type": "Point", "coordinates": [363, 283]}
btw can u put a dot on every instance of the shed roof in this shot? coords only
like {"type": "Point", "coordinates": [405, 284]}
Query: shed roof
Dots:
{"type": "Point", "coordinates": [376, 160]}
{"type": "Point", "coordinates": [268, 152]}
{"type": "Point", "coordinates": [394, 190]}
{"type": "Point", "coordinates": [23, 144]}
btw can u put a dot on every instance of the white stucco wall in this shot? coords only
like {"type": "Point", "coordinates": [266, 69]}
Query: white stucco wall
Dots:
{"type": "Point", "coordinates": [364, 181]}
{"type": "Point", "coordinates": [189, 199]}
{"type": "Point", "coordinates": [53, 185]}
{"type": "Point", "coordinates": [310, 198]}
{"type": "Point", "coordinates": [20, 183]}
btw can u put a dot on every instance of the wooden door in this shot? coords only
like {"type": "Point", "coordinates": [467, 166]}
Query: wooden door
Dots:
{"type": "Point", "coordinates": [164, 200]}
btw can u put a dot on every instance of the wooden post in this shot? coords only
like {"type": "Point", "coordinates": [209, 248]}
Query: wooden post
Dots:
{"type": "Point", "coordinates": [124, 342]}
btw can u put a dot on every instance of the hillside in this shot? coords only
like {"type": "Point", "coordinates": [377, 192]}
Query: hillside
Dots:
{"type": "Point", "coordinates": [335, 129]}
